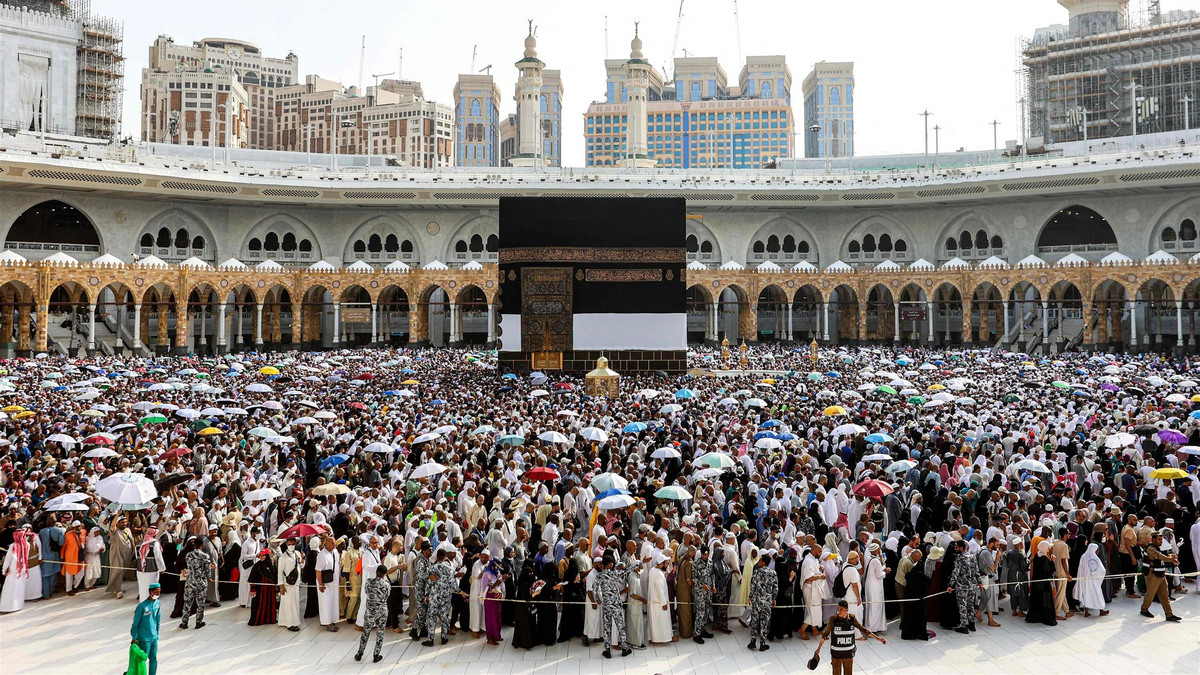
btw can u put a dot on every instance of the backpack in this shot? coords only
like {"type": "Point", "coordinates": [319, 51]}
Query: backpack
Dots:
{"type": "Point", "coordinates": [839, 583]}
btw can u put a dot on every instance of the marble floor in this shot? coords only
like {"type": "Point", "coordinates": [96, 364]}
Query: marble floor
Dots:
{"type": "Point", "coordinates": [88, 635]}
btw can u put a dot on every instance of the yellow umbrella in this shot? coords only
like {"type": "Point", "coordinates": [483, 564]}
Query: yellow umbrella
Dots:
{"type": "Point", "coordinates": [1168, 473]}
{"type": "Point", "coordinates": [410, 382]}
{"type": "Point", "coordinates": [936, 387]}
{"type": "Point", "coordinates": [23, 414]}
{"type": "Point", "coordinates": [833, 411]}
{"type": "Point", "coordinates": [1196, 398]}
{"type": "Point", "coordinates": [269, 370]}
{"type": "Point", "coordinates": [768, 381]}
{"type": "Point", "coordinates": [209, 431]}
{"type": "Point", "coordinates": [1028, 363]}
{"type": "Point", "coordinates": [13, 409]}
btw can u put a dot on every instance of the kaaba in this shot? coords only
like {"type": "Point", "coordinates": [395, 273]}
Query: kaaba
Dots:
{"type": "Point", "coordinates": [586, 277]}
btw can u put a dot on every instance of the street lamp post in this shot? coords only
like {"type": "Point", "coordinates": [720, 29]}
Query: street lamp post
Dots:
{"type": "Point", "coordinates": [1133, 108]}
{"type": "Point", "coordinates": [926, 115]}
{"type": "Point", "coordinates": [1187, 112]}
{"type": "Point", "coordinates": [995, 140]}
{"type": "Point", "coordinates": [936, 145]}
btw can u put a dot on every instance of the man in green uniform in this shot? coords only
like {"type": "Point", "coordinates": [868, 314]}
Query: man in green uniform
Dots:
{"type": "Point", "coordinates": [144, 631]}
{"type": "Point", "coordinates": [1156, 577]}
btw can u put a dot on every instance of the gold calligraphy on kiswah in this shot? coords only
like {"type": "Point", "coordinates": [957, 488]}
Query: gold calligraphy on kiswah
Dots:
{"type": "Point", "coordinates": [625, 275]}
{"type": "Point", "coordinates": [587, 254]}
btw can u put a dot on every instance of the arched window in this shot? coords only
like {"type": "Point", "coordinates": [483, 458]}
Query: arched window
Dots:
{"type": "Point", "coordinates": [493, 243]}
{"type": "Point", "coordinates": [164, 237]}
{"type": "Point", "coordinates": [901, 246]}
{"type": "Point", "coordinates": [147, 240]}
{"type": "Point", "coordinates": [964, 240]}
{"type": "Point", "coordinates": [885, 243]}
{"type": "Point", "coordinates": [460, 246]}
{"type": "Point", "coordinates": [835, 96]}
{"type": "Point", "coordinates": [406, 246]}
{"type": "Point", "coordinates": [868, 244]}
{"type": "Point", "coordinates": [772, 244]}
{"type": "Point", "coordinates": [766, 90]}
{"type": "Point", "coordinates": [254, 245]}
{"type": "Point", "coordinates": [981, 239]}
{"type": "Point", "coordinates": [803, 247]}
{"type": "Point", "coordinates": [198, 243]}
{"type": "Point", "coordinates": [476, 244]}
{"type": "Point", "coordinates": [271, 243]}
{"type": "Point", "coordinates": [759, 247]}
{"type": "Point", "coordinates": [360, 246]}
{"type": "Point", "coordinates": [181, 239]}
{"type": "Point", "coordinates": [692, 244]}
{"type": "Point", "coordinates": [997, 241]}
{"type": "Point", "coordinates": [374, 244]}
{"type": "Point", "coordinates": [854, 247]}
{"type": "Point", "coordinates": [289, 242]}
{"type": "Point", "coordinates": [1187, 230]}
{"type": "Point", "coordinates": [789, 244]}
{"type": "Point", "coordinates": [706, 247]}
{"type": "Point", "coordinates": [305, 246]}
{"type": "Point", "coordinates": [391, 244]}
{"type": "Point", "coordinates": [1168, 234]}
{"type": "Point", "coordinates": [951, 244]}
{"type": "Point", "coordinates": [475, 108]}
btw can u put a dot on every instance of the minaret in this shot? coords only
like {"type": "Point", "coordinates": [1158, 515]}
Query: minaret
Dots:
{"type": "Point", "coordinates": [529, 105]}
{"type": "Point", "coordinates": [637, 86]}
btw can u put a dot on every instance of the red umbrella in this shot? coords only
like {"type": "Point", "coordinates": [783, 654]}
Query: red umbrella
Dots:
{"type": "Point", "coordinates": [97, 440]}
{"type": "Point", "coordinates": [564, 386]}
{"type": "Point", "coordinates": [541, 473]}
{"type": "Point", "coordinates": [357, 406]}
{"type": "Point", "coordinates": [301, 530]}
{"type": "Point", "coordinates": [365, 376]}
{"type": "Point", "coordinates": [873, 488]}
{"type": "Point", "coordinates": [176, 452]}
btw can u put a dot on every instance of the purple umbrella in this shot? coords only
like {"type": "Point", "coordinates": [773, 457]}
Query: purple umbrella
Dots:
{"type": "Point", "coordinates": [1109, 386]}
{"type": "Point", "coordinates": [1171, 436]}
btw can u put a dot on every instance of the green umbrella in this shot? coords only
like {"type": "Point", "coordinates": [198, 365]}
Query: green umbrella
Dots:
{"type": "Point", "coordinates": [154, 418]}
{"type": "Point", "coordinates": [673, 492]}
{"type": "Point", "coordinates": [1012, 398]}
{"type": "Point", "coordinates": [199, 424]}
{"type": "Point", "coordinates": [263, 432]}
{"type": "Point", "coordinates": [884, 389]}
{"type": "Point", "coordinates": [512, 439]}
{"type": "Point", "coordinates": [916, 400]}
{"type": "Point", "coordinates": [1060, 384]}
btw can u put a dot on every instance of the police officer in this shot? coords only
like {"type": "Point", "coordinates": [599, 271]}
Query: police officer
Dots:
{"type": "Point", "coordinates": [420, 595]}
{"type": "Point", "coordinates": [702, 594]}
{"type": "Point", "coordinates": [438, 591]}
{"type": "Point", "coordinates": [195, 576]}
{"type": "Point", "coordinates": [842, 648]}
{"type": "Point", "coordinates": [375, 595]}
{"type": "Point", "coordinates": [146, 619]}
{"type": "Point", "coordinates": [611, 587]}
{"type": "Point", "coordinates": [1156, 578]}
{"type": "Point", "coordinates": [764, 586]}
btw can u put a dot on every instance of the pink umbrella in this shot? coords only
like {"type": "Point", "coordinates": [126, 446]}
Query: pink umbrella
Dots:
{"type": "Point", "coordinates": [1172, 436]}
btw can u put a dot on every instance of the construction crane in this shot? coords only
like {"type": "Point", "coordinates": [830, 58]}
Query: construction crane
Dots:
{"type": "Point", "coordinates": [675, 44]}
{"type": "Point", "coordinates": [486, 69]}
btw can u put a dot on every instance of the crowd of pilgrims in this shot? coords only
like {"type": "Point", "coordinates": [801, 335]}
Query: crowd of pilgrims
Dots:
{"type": "Point", "coordinates": [478, 518]}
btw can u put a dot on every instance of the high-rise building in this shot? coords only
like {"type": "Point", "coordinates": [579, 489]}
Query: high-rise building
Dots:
{"type": "Point", "coordinates": [180, 80]}
{"type": "Point", "coordinates": [476, 121]}
{"type": "Point", "coordinates": [61, 68]}
{"type": "Point", "coordinates": [829, 110]}
{"type": "Point", "coordinates": [508, 139]}
{"type": "Point", "coordinates": [1104, 65]}
{"type": "Point", "coordinates": [392, 120]}
{"type": "Point", "coordinates": [698, 122]}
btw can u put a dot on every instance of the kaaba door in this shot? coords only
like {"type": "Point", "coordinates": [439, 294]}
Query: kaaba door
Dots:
{"type": "Point", "coordinates": [546, 294]}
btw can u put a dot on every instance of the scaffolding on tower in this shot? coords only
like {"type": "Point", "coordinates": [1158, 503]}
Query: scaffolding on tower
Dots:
{"type": "Point", "coordinates": [101, 73]}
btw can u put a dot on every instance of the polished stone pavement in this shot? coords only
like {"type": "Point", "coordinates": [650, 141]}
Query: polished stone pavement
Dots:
{"type": "Point", "coordinates": [88, 635]}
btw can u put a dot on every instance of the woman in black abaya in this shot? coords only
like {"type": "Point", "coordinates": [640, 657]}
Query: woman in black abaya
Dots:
{"type": "Point", "coordinates": [912, 618]}
{"type": "Point", "coordinates": [523, 620]}
{"type": "Point", "coordinates": [1041, 593]}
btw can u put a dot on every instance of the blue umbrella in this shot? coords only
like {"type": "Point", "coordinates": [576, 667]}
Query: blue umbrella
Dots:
{"type": "Point", "coordinates": [391, 392]}
{"type": "Point", "coordinates": [684, 393]}
{"type": "Point", "coordinates": [512, 439]}
{"type": "Point", "coordinates": [612, 491]}
{"type": "Point", "coordinates": [786, 437]}
{"type": "Point", "coordinates": [333, 461]}
{"type": "Point", "coordinates": [770, 423]}
{"type": "Point", "coordinates": [766, 434]}
{"type": "Point", "coordinates": [833, 373]}
{"type": "Point", "coordinates": [634, 427]}
{"type": "Point", "coordinates": [879, 438]}
{"type": "Point", "coordinates": [408, 371]}
{"type": "Point", "coordinates": [1195, 415]}
{"type": "Point", "coordinates": [437, 401]}
{"type": "Point", "coordinates": [508, 376]}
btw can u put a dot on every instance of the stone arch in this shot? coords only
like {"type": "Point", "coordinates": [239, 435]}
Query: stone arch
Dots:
{"type": "Point", "coordinates": [56, 225]}
{"type": "Point", "coordinates": [175, 221]}
{"type": "Point", "coordinates": [881, 312]}
{"type": "Point", "coordinates": [783, 240]}
{"type": "Point", "coordinates": [708, 246]}
{"type": "Point", "coordinates": [974, 223]}
{"type": "Point", "coordinates": [160, 304]}
{"type": "Point", "coordinates": [432, 324]}
{"type": "Point", "coordinates": [384, 226]}
{"type": "Point", "coordinates": [1177, 228]}
{"type": "Point", "coordinates": [861, 244]}
{"type": "Point", "coordinates": [17, 305]}
{"type": "Point", "coordinates": [807, 313]}
{"type": "Point", "coordinates": [698, 300]}
{"type": "Point", "coordinates": [1075, 229]}
{"type": "Point", "coordinates": [70, 293]}
{"type": "Point", "coordinates": [395, 314]}
{"type": "Point", "coordinates": [484, 227]}
{"type": "Point", "coordinates": [846, 318]}
{"type": "Point", "coordinates": [770, 308]}
{"type": "Point", "coordinates": [736, 318]}
{"type": "Point", "coordinates": [265, 241]}
{"type": "Point", "coordinates": [1153, 314]}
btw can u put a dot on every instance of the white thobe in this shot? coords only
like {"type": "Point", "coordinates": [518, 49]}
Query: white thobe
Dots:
{"type": "Point", "coordinates": [289, 598]}
{"type": "Point", "coordinates": [327, 600]}
{"type": "Point", "coordinates": [591, 615]}
{"type": "Point", "coordinates": [814, 591]}
{"type": "Point", "coordinates": [249, 554]}
{"type": "Point", "coordinates": [635, 617]}
{"type": "Point", "coordinates": [476, 598]}
{"type": "Point", "coordinates": [12, 598]}
{"type": "Point", "coordinates": [875, 620]}
{"type": "Point", "coordinates": [658, 609]}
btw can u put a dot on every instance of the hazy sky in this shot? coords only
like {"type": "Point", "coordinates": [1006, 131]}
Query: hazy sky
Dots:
{"type": "Point", "coordinates": [954, 57]}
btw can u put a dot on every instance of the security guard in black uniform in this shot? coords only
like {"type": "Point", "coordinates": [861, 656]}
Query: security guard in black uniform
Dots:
{"type": "Point", "coordinates": [842, 648]}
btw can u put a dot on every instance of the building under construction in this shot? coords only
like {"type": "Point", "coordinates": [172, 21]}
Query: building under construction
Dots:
{"type": "Point", "coordinates": [1085, 80]}
{"type": "Point", "coordinates": [101, 67]}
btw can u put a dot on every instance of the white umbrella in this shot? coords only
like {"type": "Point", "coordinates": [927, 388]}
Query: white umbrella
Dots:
{"type": "Point", "coordinates": [615, 502]}
{"type": "Point", "coordinates": [877, 457]}
{"type": "Point", "coordinates": [665, 453]}
{"type": "Point", "coordinates": [127, 488]}
{"type": "Point", "coordinates": [595, 434]}
{"type": "Point", "coordinates": [934, 404]}
{"type": "Point", "coordinates": [68, 506]}
{"type": "Point", "coordinates": [63, 439]}
{"type": "Point", "coordinates": [299, 421]}
{"type": "Point", "coordinates": [382, 448]}
{"type": "Point", "coordinates": [143, 405]}
{"type": "Point", "coordinates": [188, 413]}
{"type": "Point", "coordinates": [755, 403]}
{"type": "Point", "coordinates": [425, 438]}
{"type": "Point", "coordinates": [648, 393]}
{"type": "Point", "coordinates": [87, 396]}
{"type": "Point", "coordinates": [539, 392]}
{"type": "Point", "coordinates": [69, 498]}
{"type": "Point", "coordinates": [259, 388]}
{"type": "Point", "coordinates": [768, 444]}
{"type": "Point", "coordinates": [1032, 465]}
{"type": "Point", "coordinates": [553, 437]}
{"type": "Point", "coordinates": [272, 405]}
{"type": "Point", "coordinates": [670, 409]}
{"type": "Point", "coordinates": [446, 429]}
{"type": "Point", "coordinates": [280, 440]}
{"type": "Point", "coordinates": [100, 452]}
{"type": "Point", "coordinates": [324, 415]}
{"type": "Point", "coordinates": [212, 412]}
{"type": "Point", "coordinates": [608, 481]}
{"type": "Point", "coordinates": [261, 494]}
{"type": "Point", "coordinates": [849, 430]}
{"type": "Point", "coordinates": [1119, 440]}
{"type": "Point", "coordinates": [427, 469]}
{"type": "Point", "coordinates": [727, 401]}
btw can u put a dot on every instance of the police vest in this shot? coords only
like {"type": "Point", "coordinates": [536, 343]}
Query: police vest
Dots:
{"type": "Point", "coordinates": [1157, 566]}
{"type": "Point", "coordinates": [842, 638]}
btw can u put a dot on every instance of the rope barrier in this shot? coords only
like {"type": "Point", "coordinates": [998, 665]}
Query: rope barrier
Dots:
{"type": "Point", "coordinates": [343, 580]}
